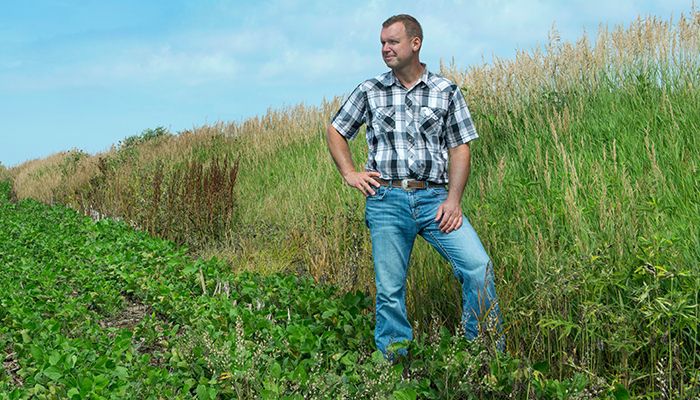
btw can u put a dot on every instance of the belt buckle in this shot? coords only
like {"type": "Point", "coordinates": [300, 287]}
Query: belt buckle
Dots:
{"type": "Point", "coordinates": [404, 184]}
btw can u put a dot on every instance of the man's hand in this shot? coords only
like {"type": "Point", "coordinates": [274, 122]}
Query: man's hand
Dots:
{"type": "Point", "coordinates": [362, 181]}
{"type": "Point", "coordinates": [450, 212]}
{"type": "Point", "coordinates": [450, 215]}
{"type": "Point", "coordinates": [340, 151]}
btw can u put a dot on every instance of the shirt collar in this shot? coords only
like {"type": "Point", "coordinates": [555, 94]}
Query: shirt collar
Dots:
{"type": "Point", "coordinates": [424, 76]}
{"type": "Point", "coordinates": [391, 79]}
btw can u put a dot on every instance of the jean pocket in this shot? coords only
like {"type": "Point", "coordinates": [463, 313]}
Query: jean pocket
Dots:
{"type": "Point", "coordinates": [438, 191]}
{"type": "Point", "coordinates": [379, 194]}
{"type": "Point", "coordinates": [374, 202]}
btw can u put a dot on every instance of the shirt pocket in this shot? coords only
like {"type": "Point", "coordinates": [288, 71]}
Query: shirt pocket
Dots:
{"type": "Point", "coordinates": [432, 120]}
{"type": "Point", "coordinates": [383, 119]}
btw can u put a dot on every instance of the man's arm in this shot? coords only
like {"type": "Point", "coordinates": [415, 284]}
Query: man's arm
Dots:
{"type": "Point", "coordinates": [340, 151]}
{"type": "Point", "coordinates": [450, 212]}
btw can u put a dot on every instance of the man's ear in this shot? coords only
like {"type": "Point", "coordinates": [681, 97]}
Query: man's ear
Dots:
{"type": "Point", "coordinates": [416, 43]}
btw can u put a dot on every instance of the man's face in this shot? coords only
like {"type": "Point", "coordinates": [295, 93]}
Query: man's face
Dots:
{"type": "Point", "coordinates": [397, 48]}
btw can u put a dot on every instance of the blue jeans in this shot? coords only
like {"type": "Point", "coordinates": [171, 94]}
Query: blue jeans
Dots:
{"type": "Point", "coordinates": [395, 217]}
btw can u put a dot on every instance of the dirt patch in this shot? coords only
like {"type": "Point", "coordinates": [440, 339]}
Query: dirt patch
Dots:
{"type": "Point", "coordinates": [129, 317]}
{"type": "Point", "coordinates": [11, 366]}
{"type": "Point", "coordinates": [155, 350]}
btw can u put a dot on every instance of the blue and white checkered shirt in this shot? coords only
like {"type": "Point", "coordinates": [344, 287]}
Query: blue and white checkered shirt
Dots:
{"type": "Point", "coordinates": [408, 131]}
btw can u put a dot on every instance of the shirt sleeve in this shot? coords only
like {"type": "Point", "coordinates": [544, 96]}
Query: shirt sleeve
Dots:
{"type": "Point", "coordinates": [459, 128]}
{"type": "Point", "coordinates": [352, 114]}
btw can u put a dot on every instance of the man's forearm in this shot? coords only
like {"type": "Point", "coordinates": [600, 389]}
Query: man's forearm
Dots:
{"type": "Point", "coordinates": [458, 170]}
{"type": "Point", "coordinates": [340, 151]}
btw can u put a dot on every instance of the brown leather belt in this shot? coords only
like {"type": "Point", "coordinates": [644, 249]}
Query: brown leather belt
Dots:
{"type": "Point", "coordinates": [408, 183]}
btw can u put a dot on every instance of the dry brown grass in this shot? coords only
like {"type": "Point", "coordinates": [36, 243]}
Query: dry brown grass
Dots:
{"type": "Point", "coordinates": [279, 128]}
{"type": "Point", "coordinates": [129, 181]}
{"type": "Point", "coordinates": [39, 179]}
{"type": "Point", "coordinates": [648, 44]}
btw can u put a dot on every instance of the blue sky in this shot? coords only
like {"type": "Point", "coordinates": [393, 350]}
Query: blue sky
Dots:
{"type": "Point", "coordinates": [86, 74]}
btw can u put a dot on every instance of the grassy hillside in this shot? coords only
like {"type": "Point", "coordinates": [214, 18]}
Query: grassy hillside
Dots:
{"type": "Point", "coordinates": [584, 191]}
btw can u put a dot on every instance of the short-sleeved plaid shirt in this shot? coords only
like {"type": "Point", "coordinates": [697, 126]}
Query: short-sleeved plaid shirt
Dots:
{"type": "Point", "coordinates": [408, 131]}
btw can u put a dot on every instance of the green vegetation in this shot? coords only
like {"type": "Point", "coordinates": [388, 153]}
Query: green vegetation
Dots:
{"type": "Point", "coordinates": [145, 136]}
{"type": "Point", "coordinates": [584, 190]}
{"type": "Point", "coordinates": [100, 310]}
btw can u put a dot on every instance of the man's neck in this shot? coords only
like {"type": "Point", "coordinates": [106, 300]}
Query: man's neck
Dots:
{"type": "Point", "coordinates": [410, 75]}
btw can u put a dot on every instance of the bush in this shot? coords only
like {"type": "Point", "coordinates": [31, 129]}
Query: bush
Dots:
{"type": "Point", "coordinates": [145, 136]}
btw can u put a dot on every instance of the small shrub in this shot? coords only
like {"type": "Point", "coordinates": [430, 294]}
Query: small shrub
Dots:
{"type": "Point", "coordinates": [145, 136]}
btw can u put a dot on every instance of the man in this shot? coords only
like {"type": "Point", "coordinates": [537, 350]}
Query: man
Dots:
{"type": "Point", "coordinates": [415, 120]}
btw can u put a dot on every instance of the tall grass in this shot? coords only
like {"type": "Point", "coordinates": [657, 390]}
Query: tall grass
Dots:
{"type": "Point", "coordinates": [5, 173]}
{"type": "Point", "coordinates": [179, 187]}
{"type": "Point", "coordinates": [591, 203]}
{"type": "Point", "coordinates": [584, 191]}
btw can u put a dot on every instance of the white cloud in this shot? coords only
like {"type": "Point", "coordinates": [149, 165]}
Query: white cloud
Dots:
{"type": "Point", "coordinates": [136, 67]}
{"type": "Point", "coordinates": [314, 64]}
{"type": "Point", "coordinates": [165, 63]}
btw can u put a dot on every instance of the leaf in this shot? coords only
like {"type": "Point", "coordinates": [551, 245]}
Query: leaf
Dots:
{"type": "Point", "coordinates": [349, 360]}
{"type": "Point", "coordinates": [190, 269]}
{"type": "Point", "coordinates": [71, 361]}
{"type": "Point", "coordinates": [378, 357]}
{"type": "Point", "coordinates": [542, 366]}
{"type": "Point", "coordinates": [37, 354]}
{"type": "Point", "coordinates": [74, 393]}
{"type": "Point", "coordinates": [276, 370]}
{"type": "Point", "coordinates": [121, 372]}
{"type": "Point", "coordinates": [405, 394]}
{"type": "Point", "coordinates": [101, 381]}
{"type": "Point", "coordinates": [203, 392]}
{"type": "Point", "coordinates": [54, 358]}
{"type": "Point", "coordinates": [53, 373]}
{"type": "Point", "coordinates": [86, 384]}
{"type": "Point", "coordinates": [620, 392]}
